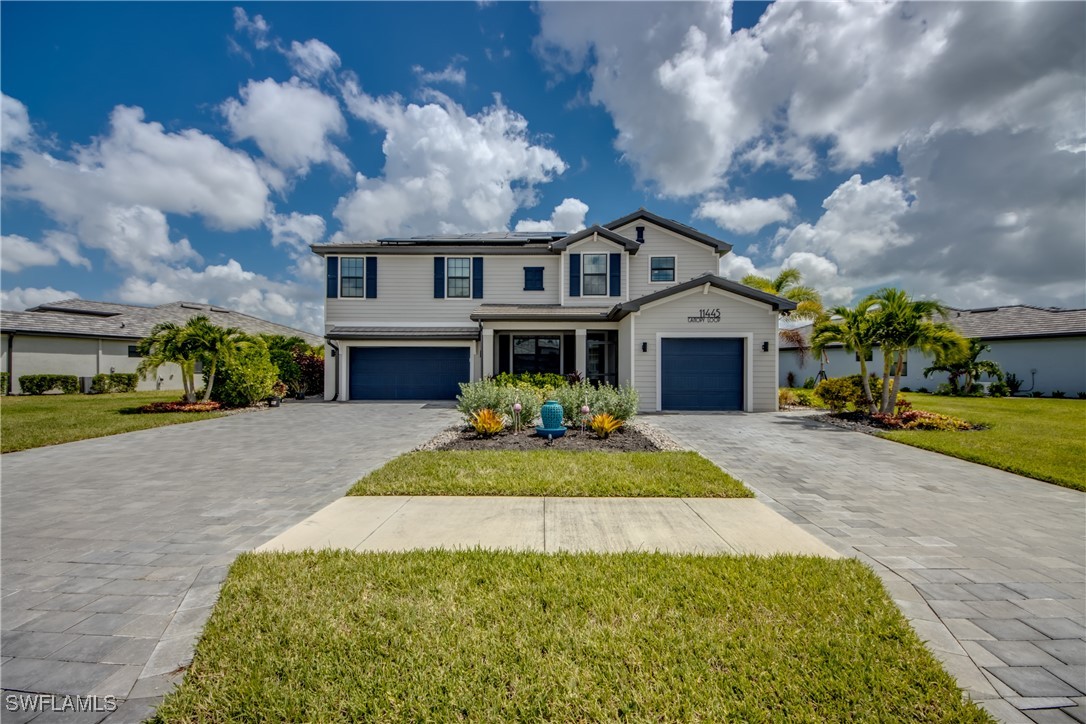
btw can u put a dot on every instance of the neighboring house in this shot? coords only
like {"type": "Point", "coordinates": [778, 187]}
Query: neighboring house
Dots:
{"type": "Point", "coordinates": [636, 301]}
{"type": "Point", "coordinates": [1044, 347]}
{"type": "Point", "coordinates": [84, 338]}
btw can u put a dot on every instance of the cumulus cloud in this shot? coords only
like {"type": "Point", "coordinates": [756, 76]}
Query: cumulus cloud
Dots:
{"type": "Point", "coordinates": [312, 59]}
{"type": "Point", "coordinates": [567, 216]}
{"type": "Point", "coordinates": [257, 28]}
{"type": "Point", "coordinates": [747, 216]}
{"type": "Point", "coordinates": [451, 74]}
{"type": "Point", "coordinates": [14, 123]}
{"type": "Point", "coordinates": [290, 122]}
{"type": "Point", "coordinates": [18, 252]}
{"type": "Point", "coordinates": [18, 299]}
{"type": "Point", "coordinates": [445, 170]}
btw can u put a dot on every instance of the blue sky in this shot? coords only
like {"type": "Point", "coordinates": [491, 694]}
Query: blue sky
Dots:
{"type": "Point", "coordinates": [153, 151]}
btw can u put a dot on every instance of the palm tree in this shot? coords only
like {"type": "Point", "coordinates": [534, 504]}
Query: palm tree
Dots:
{"type": "Point", "coordinates": [901, 324]}
{"type": "Point", "coordinates": [787, 284]}
{"type": "Point", "coordinates": [966, 364]}
{"type": "Point", "coordinates": [212, 344]}
{"type": "Point", "coordinates": [168, 343]}
{"type": "Point", "coordinates": [854, 330]}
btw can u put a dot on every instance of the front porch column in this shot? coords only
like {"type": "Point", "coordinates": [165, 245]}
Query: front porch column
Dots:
{"type": "Point", "coordinates": [488, 353]}
{"type": "Point", "coordinates": [344, 382]}
{"type": "Point", "coordinates": [581, 352]}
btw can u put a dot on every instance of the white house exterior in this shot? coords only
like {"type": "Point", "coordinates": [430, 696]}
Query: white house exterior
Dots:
{"type": "Point", "coordinates": [1044, 347]}
{"type": "Point", "coordinates": [84, 338]}
{"type": "Point", "coordinates": [637, 301]}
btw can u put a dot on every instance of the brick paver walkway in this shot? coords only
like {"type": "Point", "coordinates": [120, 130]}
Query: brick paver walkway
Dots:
{"type": "Point", "coordinates": [113, 550]}
{"type": "Point", "coordinates": [988, 566]}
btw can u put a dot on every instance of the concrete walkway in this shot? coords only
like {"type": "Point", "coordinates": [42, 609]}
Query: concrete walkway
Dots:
{"type": "Point", "coordinates": [989, 567]}
{"type": "Point", "coordinates": [671, 525]}
{"type": "Point", "coordinates": [113, 549]}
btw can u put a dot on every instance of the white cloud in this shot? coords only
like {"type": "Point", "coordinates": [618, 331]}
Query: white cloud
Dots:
{"type": "Point", "coordinates": [567, 216]}
{"type": "Point", "coordinates": [139, 164]}
{"type": "Point", "coordinates": [451, 74]}
{"type": "Point", "coordinates": [257, 28]}
{"type": "Point", "coordinates": [18, 252]}
{"type": "Point", "coordinates": [18, 299]}
{"type": "Point", "coordinates": [747, 216]}
{"type": "Point", "coordinates": [135, 237]}
{"type": "Point", "coordinates": [14, 123]}
{"type": "Point", "coordinates": [312, 59]}
{"type": "Point", "coordinates": [290, 122]}
{"type": "Point", "coordinates": [445, 170]}
{"type": "Point", "coordinates": [296, 230]}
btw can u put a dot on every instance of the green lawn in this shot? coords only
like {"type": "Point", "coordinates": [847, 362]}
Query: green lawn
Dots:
{"type": "Point", "coordinates": [500, 636]}
{"type": "Point", "coordinates": [552, 472]}
{"type": "Point", "coordinates": [1039, 438]}
{"type": "Point", "coordinates": [39, 420]}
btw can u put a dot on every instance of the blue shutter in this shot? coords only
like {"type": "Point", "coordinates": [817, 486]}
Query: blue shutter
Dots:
{"type": "Point", "coordinates": [615, 269]}
{"type": "Point", "coordinates": [371, 277]}
{"type": "Point", "coordinates": [333, 277]}
{"type": "Point", "coordinates": [439, 277]}
{"type": "Point", "coordinates": [477, 277]}
{"type": "Point", "coordinates": [574, 275]}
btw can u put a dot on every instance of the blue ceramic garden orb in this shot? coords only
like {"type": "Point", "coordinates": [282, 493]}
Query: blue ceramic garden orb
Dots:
{"type": "Point", "coordinates": [551, 414]}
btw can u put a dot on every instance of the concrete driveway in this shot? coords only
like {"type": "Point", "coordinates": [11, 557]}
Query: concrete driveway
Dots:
{"type": "Point", "coordinates": [113, 549]}
{"type": "Point", "coordinates": [988, 566]}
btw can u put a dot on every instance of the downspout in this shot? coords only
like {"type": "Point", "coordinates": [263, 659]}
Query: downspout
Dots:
{"type": "Point", "coordinates": [335, 353]}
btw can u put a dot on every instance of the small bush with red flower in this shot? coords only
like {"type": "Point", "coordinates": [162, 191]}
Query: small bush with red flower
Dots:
{"type": "Point", "coordinates": [909, 419]}
{"type": "Point", "coordinates": [181, 406]}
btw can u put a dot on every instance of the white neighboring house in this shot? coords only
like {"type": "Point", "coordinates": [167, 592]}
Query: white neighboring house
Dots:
{"type": "Point", "coordinates": [85, 338]}
{"type": "Point", "coordinates": [1044, 347]}
{"type": "Point", "coordinates": [637, 301]}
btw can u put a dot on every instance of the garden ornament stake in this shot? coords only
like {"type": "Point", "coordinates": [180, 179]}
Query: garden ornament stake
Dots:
{"type": "Point", "coordinates": [584, 413]}
{"type": "Point", "coordinates": [517, 407]}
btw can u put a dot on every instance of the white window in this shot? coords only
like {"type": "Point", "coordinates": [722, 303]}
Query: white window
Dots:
{"type": "Point", "coordinates": [595, 275]}
{"type": "Point", "coordinates": [458, 278]}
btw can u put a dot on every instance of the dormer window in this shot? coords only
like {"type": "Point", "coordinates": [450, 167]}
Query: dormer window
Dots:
{"type": "Point", "coordinates": [595, 275]}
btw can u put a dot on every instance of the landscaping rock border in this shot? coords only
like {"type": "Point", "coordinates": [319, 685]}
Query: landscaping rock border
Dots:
{"type": "Point", "coordinates": [633, 437]}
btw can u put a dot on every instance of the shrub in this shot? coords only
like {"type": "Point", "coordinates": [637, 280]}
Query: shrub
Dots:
{"type": "Point", "coordinates": [311, 370]}
{"type": "Point", "coordinates": [876, 388]}
{"type": "Point", "coordinates": [571, 398]}
{"type": "Point", "coordinates": [247, 378]}
{"type": "Point", "coordinates": [279, 389]}
{"type": "Point", "coordinates": [1038, 394]}
{"type": "Point", "coordinates": [1059, 394]}
{"type": "Point", "coordinates": [998, 389]}
{"type": "Point", "coordinates": [618, 402]}
{"type": "Point", "coordinates": [923, 390]}
{"type": "Point", "coordinates": [4, 377]}
{"type": "Point", "coordinates": [906, 389]}
{"type": "Point", "coordinates": [805, 398]}
{"type": "Point", "coordinates": [1014, 383]}
{"type": "Point", "coordinates": [487, 422]}
{"type": "Point", "coordinates": [488, 394]}
{"type": "Point", "coordinates": [114, 382]}
{"type": "Point", "coordinates": [604, 424]}
{"type": "Point", "coordinates": [40, 384]}
{"type": "Point", "coordinates": [539, 380]}
{"type": "Point", "coordinates": [809, 383]}
{"type": "Point", "coordinates": [945, 389]}
{"type": "Point", "coordinates": [791, 379]}
{"type": "Point", "coordinates": [921, 420]}
{"type": "Point", "coordinates": [786, 398]}
{"type": "Point", "coordinates": [1081, 395]}
{"type": "Point", "coordinates": [839, 392]}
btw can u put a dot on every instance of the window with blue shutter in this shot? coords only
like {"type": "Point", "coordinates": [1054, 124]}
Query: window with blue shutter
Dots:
{"type": "Point", "coordinates": [371, 277]}
{"type": "Point", "coordinates": [533, 278]}
{"type": "Point", "coordinates": [458, 278]}
{"type": "Point", "coordinates": [352, 277]}
{"type": "Point", "coordinates": [333, 277]}
{"type": "Point", "coordinates": [616, 275]}
{"type": "Point", "coordinates": [574, 275]}
{"type": "Point", "coordinates": [439, 277]}
{"type": "Point", "coordinates": [477, 277]}
{"type": "Point", "coordinates": [595, 275]}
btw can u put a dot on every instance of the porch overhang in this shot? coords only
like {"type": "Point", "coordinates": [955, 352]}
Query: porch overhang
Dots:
{"type": "Point", "coordinates": [359, 333]}
{"type": "Point", "coordinates": [539, 313]}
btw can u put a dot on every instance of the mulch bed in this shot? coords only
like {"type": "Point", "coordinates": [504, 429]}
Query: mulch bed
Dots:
{"type": "Point", "coordinates": [624, 440]}
{"type": "Point", "coordinates": [180, 407]}
{"type": "Point", "coordinates": [861, 422]}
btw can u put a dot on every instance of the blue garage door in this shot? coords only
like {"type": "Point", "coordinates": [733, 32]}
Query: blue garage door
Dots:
{"type": "Point", "coordinates": [408, 373]}
{"type": "Point", "coordinates": [701, 374]}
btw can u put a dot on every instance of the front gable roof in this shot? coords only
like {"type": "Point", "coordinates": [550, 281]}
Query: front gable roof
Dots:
{"type": "Point", "coordinates": [722, 247]}
{"type": "Point", "coordinates": [628, 244]}
{"type": "Point", "coordinates": [779, 304]}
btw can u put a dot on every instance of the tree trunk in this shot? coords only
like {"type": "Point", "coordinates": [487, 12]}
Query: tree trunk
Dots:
{"type": "Point", "coordinates": [869, 399]}
{"type": "Point", "coordinates": [887, 360]}
{"type": "Point", "coordinates": [185, 381]}
{"type": "Point", "coordinates": [897, 383]}
{"type": "Point", "coordinates": [189, 372]}
{"type": "Point", "coordinates": [210, 380]}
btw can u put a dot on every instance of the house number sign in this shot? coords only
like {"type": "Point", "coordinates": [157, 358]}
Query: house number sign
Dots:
{"type": "Point", "coordinates": [705, 315]}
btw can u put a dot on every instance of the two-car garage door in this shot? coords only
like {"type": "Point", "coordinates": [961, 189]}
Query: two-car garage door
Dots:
{"type": "Point", "coordinates": [408, 373]}
{"type": "Point", "coordinates": [701, 373]}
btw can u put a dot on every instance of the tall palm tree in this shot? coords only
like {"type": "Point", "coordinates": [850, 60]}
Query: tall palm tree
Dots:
{"type": "Point", "coordinates": [168, 343]}
{"type": "Point", "coordinates": [853, 329]}
{"type": "Point", "coordinates": [787, 284]}
{"type": "Point", "coordinates": [212, 344]}
{"type": "Point", "coordinates": [966, 365]}
{"type": "Point", "coordinates": [903, 323]}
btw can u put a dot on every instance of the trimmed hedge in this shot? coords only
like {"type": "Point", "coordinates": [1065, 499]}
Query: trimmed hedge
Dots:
{"type": "Point", "coordinates": [4, 383]}
{"type": "Point", "coordinates": [40, 384]}
{"type": "Point", "coordinates": [114, 382]}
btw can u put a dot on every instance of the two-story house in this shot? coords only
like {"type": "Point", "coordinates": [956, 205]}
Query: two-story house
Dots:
{"type": "Point", "coordinates": [637, 301]}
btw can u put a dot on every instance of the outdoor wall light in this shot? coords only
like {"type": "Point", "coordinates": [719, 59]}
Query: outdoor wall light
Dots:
{"type": "Point", "coordinates": [644, 346]}
{"type": "Point", "coordinates": [765, 346]}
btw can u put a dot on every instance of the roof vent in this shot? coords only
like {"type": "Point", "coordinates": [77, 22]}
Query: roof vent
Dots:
{"type": "Point", "coordinates": [220, 309]}
{"type": "Point", "coordinates": [641, 234]}
{"type": "Point", "coordinates": [982, 310]}
{"type": "Point", "coordinates": [187, 305]}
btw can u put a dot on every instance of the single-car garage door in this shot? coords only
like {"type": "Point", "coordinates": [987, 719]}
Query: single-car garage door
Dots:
{"type": "Point", "coordinates": [408, 373]}
{"type": "Point", "coordinates": [701, 373]}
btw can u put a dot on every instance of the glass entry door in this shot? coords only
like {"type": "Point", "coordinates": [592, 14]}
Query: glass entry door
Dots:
{"type": "Point", "coordinates": [602, 357]}
{"type": "Point", "coordinates": [537, 354]}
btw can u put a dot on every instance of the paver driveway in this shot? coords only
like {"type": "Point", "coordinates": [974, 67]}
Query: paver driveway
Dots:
{"type": "Point", "coordinates": [113, 549]}
{"type": "Point", "coordinates": [988, 566]}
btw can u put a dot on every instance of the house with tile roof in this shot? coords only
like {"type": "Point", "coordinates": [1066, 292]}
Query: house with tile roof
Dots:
{"type": "Point", "coordinates": [636, 301]}
{"type": "Point", "coordinates": [1043, 346]}
{"type": "Point", "coordinates": [84, 338]}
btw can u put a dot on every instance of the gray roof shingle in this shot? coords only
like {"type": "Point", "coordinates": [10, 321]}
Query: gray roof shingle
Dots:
{"type": "Point", "coordinates": [85, 318]}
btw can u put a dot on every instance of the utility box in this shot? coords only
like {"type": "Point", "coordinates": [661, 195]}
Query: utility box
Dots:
{"type": "Point", "coordinates": [85, 384]}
